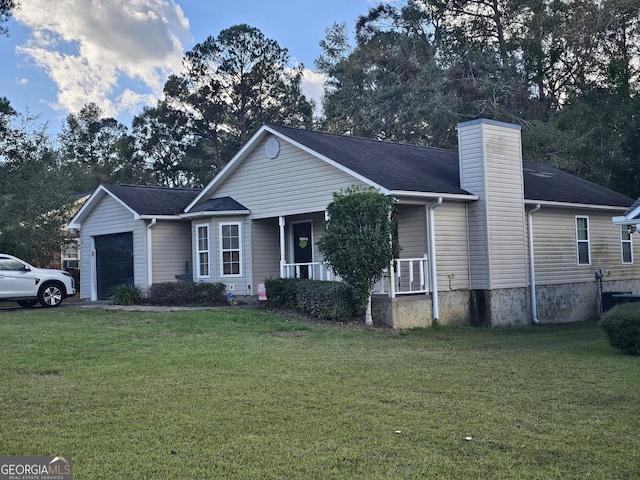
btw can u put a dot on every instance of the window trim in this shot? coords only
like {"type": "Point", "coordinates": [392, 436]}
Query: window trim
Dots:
{"type": "Point", "coordinates": [207, 251]}
{"type": "Point", "coordinates": [223, 250]}
{"type": "Point", "coordinates": [579, 241]}
{"type": "Point", "coordinates": [623, 241]}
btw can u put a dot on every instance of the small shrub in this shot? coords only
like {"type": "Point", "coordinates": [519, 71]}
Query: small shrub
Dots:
{"type": "Point", "coordinates": [126, 295]}
{"type": "Point", "coordinates": [209, 294]}
{"type": "Point", "coordinates": [173, 294]}
{"type": "Point", "coordinates": [622, 326]}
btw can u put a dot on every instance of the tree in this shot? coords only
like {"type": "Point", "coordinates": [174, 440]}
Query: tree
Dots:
{"type": "Point", "coordinates": [34, 193]}
{"type": "Point", "coordinates": [99, 150]}
{"type": "Point", "coordinates": [359, 243]}
{"type": "Point", "coordinates": [231, 86]}
{"type": "Point", "coordinates": [389, 86]}
{"type": "Point", "coordinates": [6, 7]}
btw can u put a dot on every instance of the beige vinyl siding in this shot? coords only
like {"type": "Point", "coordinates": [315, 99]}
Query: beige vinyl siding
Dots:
{"type": "Point", "coordinates": [294, 182]}
{"type": "Point", "coordinates": [108, 217]}
{"type": "Point", "coordinates": [555, 251]}
{"type": "Point", "coordinates": [452, 246]}
{"type": "Point", "coordinates": [491, 167]}
{"type": "Point", "coordinates": [265, 241]}
{"type": "Point", "coordinates": [505, 208]}
{"type": "Point", "coordinates": [171, 250]}
{"type": "Point", "coordinates": [412, 230]}
{"type": "Point", "coordinates": [472, 179]}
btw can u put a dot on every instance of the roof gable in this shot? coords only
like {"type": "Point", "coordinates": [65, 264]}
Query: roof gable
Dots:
{"type": "Point", "coordinates": [140, 200]}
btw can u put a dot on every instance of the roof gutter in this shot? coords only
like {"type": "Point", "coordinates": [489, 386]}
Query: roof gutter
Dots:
{"type": "Point", "coordinates": [215, 214]}
{"type": "Point", "coordinates": [574, 205]}
{"type": "Point", "coordinates": [461, 197]}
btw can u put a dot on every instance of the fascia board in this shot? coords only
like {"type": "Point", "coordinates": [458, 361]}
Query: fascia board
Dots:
{"type": "Point", "coordinates": [160, 217]}
{"type": "Point", "coordinates": [584, 206]}
{"type": "Point", "coordinates": [401, 194]}
{"type": "Point", "coordinates": [222, 213]}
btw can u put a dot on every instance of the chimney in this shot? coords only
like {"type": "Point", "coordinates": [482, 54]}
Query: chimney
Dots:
{"type": "Point", "coordinates": [490, 156]}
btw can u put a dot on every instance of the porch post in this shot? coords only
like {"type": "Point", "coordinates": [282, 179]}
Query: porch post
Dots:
{"type": "Point", "coordinates": [281, 223]}
{"type": "Point", "coordinates": [392, 273]}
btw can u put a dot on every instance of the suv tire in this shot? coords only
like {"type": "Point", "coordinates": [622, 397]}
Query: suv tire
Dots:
{"type": "Point", "coordinates": [51, 294]}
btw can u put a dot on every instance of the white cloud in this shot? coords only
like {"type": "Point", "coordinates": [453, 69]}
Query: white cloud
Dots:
{"type": "Point", "coordinates": [91, 49]}
{"type": "Point", "coordinates": [312, 85]}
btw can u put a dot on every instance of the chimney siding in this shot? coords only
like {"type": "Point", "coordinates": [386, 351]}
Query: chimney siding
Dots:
{"type": "Point", "coordinates": [490, 156]}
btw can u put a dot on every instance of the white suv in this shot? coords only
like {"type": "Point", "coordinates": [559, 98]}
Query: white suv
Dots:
{"type": "Point", "coordinates": [27, 284]}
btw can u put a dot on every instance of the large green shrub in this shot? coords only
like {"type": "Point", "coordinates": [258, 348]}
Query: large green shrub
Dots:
{"type": "Point", "coordinates": [622, 326]}
{"type": "Point", "coordinates": [187, 294]}
{"type": "Point", "coordinates": [324, 300]}
{"type": "Point", "coordinates": [359, 240]}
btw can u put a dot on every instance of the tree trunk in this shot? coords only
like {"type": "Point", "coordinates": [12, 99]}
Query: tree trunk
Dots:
{"type": "Point", "coordinates": [368, 319]}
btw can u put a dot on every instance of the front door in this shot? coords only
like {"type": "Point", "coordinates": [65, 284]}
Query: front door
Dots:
{"type": "Point", "coordinates": [302, 247]}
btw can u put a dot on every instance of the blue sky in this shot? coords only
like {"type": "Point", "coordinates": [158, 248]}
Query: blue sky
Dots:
{"type": "Point", "coordinates": [117, 53]}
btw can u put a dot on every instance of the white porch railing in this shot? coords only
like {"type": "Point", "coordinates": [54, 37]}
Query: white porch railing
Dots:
{"type": "Point", "coordinates": [410, 275]}
{"type": "Point", "coordinates": [311, 270]}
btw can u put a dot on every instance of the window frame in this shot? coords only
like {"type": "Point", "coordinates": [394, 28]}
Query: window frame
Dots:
{"type": "Point", "coordinates": [223, 250]}
{"type": "Point", "coordinates": [200, 251]}
{"type": "Point", "coordinates": [580, 241]}
{"type": "Point", "coordinates": [626, 241]}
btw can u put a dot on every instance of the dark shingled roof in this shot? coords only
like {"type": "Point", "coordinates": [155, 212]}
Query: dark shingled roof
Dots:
{"type": "Point", "coordinates": [222, 204]}
{"type": "Point", "coordinates": [411, 168]}
{"type": "Point", "coordinates": [394, 166]}
{"type": "Point", "coordinates": [148, 200]}
{"type": "Point", "coordinates": [545, 183]}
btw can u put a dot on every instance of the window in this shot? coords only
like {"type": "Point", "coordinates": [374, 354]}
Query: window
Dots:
{"type": "Point", "coordinates": [231, 260]}
{"type": "Point", "coordinates": [202, 254]}
{"type": "Point", "coordinates": [10, 264]}
{"type": "Point", "coordinates": [626, 245]}
{"type": "Point", "coordinates": [582, 238]}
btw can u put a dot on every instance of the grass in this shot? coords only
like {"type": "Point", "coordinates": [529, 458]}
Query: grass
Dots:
{"type": "Point", "coordinates": [246, 394]}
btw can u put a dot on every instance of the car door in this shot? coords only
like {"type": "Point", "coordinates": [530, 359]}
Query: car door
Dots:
{"type": "Point", "coordinates": [16, 279]}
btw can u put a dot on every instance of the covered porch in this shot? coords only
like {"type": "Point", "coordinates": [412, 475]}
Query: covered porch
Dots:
{"type": "Point", "coordinates": [299, 257]}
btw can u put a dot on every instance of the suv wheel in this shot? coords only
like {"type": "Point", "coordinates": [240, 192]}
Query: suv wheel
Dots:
{"type": "Point", "coordinates": [50, 295]}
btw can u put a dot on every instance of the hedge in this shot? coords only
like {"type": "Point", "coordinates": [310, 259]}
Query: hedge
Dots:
{"type": "Point", "coordinates": [322, 299]}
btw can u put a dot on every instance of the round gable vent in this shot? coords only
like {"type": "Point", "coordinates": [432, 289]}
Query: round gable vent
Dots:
{"type": "Point", "coordinates": [272, 147]}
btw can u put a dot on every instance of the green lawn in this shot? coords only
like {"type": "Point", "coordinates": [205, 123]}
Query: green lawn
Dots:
{"type": "Point", "coordinates": [247, 394]}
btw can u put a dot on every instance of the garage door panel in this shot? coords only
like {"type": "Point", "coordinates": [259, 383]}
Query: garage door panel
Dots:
{"type": "Point", "coordinates": [114, 262]}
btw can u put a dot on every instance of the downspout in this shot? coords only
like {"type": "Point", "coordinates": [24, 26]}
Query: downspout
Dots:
{"type": "Point", "coordinates": [281, 225]}
{"type": "Point", "coordinates": [432, 260]}
{"type": "Point", "coordinates": [150, 252]}
{"type": "Point", "coordinates": [532, 273]}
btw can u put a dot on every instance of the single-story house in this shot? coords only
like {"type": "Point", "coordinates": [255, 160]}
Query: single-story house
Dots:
{"type": "Point", "coordinates": [486, 238]}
